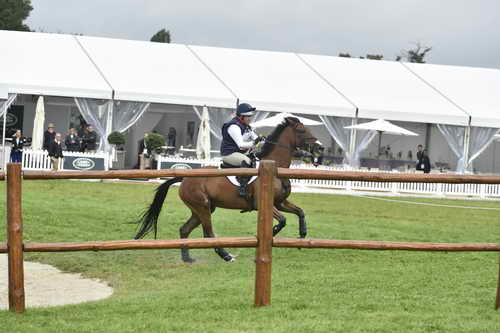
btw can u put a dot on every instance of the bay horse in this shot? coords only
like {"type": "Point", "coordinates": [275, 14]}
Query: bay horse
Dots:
{"type": "Point", "coordinates": [203, 195]}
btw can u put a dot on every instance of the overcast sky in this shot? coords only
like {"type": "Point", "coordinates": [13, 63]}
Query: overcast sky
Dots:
{"type": "Point", "coordinates": [461, 32]}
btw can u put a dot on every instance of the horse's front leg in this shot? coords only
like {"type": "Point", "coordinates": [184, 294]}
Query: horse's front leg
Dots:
{"type": "Point", "coordinates": [287, 206]}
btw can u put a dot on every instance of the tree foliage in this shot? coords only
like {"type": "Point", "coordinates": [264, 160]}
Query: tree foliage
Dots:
{"type": "Point", "coordinates": [13, 13]}
{"type": "Point", "coordinates": [416, 54]}
{"type": "Point", "coordinates": [162, 36]}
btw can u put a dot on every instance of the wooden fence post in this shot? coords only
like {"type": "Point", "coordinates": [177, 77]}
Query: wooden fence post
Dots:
{"type": "Point", "coordinates": [263, 253]}
{"type": "Point", "coordinates": [497, 305]}
{"type": "Point", "coordinates": [15, 238]}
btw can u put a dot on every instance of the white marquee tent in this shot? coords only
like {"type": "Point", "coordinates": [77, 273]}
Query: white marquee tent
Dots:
{"type": "Point", "coordinates": [136, 71]}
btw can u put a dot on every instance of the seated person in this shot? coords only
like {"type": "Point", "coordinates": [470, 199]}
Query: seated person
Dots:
{"type": "Point", "coordinates": [237, 138]}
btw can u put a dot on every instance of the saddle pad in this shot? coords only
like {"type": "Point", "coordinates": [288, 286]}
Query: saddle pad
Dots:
{"type": "Point", "coordinates": [232, 179]}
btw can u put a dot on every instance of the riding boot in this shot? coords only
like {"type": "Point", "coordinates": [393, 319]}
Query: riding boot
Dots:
{"type": "Point", "coordinates": [243, 180]}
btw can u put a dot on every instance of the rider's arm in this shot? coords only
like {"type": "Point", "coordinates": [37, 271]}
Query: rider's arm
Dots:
{"type": "Point", "coordinates": [235, 133]}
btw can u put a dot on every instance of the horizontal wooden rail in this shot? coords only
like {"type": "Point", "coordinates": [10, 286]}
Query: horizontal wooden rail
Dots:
{"type": "Point", "coordinates": [282, 173]}
{"type": "Point", "coordinates": [193, 243]}
{"type": "Point", "coordinates": [131, 174]}
{"type": "Point", "coordinates": [386, 177]}
{"type": "Point", "coordinates": [378, 245]}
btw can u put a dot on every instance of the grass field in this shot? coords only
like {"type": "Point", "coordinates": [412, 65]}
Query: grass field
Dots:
{"type": "Point", "coordinates": [313, 290]}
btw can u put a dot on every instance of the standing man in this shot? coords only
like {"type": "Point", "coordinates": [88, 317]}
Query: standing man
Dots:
{"type": "Point", "coordinates": [72, 141]}
{"type": "Point", "coordinates": [16, 152]}
{"type": "Point", "coordinates": [237, 138]}
{"type": "Point", "coordinates": [423, 161]}
{"type": "Point", "coordinates": [55, 152]}
{"type": "Point", "coordinates": [48, 136]}
{"type": "Point", "coordinates": [90, 140]}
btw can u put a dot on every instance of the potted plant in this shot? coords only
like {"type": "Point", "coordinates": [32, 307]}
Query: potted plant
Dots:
{"type": "Point", "coordinates": [117, 139]}
{"type": "Point", "coordinates": [154, 142]}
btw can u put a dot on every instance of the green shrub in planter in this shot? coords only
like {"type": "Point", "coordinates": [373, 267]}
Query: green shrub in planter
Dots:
{"type": "Point", "coordinates": [154, 141]}
{"type": "Point", "coordinates": [116, 138]}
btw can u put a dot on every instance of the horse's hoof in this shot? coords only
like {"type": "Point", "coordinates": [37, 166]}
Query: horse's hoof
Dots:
{"type": "Point", "coordinates": [230, 258]}
{"type": "Point", "coordinates": [189, 260]}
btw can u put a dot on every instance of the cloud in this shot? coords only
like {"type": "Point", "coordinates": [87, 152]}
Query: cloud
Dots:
{"type": "Point", "coordinates": [461, 32]}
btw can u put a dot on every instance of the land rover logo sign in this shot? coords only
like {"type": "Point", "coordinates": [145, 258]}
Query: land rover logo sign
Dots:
{"type": "Point", "coordinates": [180, 166]}
{"type": "Point", "coordinates": [11, 120]}
{"type": "Point", "coordinates": [83, 163]}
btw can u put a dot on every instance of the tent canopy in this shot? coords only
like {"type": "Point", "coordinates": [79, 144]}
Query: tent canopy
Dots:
{"type": "Point", "coordinates": [475, 90]}
{"type": "Point", "coordinates": [92, 67]}
{"type": "Point", "coordinates": [156, 72]}
{"type": "Point", "coordinates": [48, 64]}
{"type": "Point", "coordinates": [274, 81]}
{"type": "Point", "coordinates": [386, 89]}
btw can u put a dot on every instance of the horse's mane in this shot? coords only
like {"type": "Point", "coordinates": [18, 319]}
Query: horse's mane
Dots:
{"type": "Point", "coordinates": [274, 137]}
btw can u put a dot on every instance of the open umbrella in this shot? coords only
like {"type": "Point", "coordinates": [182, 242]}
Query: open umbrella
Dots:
{"type": "Point", "coordinates": [203, 140]}
{"type": "Point", "coordinates": [278, 119]}
{"type": "Point", "coordinates": [382, 126]}
{"type": "Point", "coordinates": [37, 142]}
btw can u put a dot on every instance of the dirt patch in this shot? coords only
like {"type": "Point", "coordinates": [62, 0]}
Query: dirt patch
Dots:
{"type": "Point", "coordinates": [45, 285]}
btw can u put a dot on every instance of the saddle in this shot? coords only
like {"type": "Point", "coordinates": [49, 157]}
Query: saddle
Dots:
{"type": "Point", "coordinates": [242, 181]}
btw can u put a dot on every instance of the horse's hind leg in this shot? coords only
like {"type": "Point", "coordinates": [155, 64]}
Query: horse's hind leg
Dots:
{"type": "Point", "coordinates": [287, 206]}
{"type": "Point", "coordinates": [281, 221]}
{"type": "Point", "coordinates": [184, 232]}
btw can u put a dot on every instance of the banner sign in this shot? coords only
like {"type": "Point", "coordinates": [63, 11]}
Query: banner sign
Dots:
{"type": "Point", "coordinates": [83, 163]}
{"type": "Point", "coordinates": [179, 165]}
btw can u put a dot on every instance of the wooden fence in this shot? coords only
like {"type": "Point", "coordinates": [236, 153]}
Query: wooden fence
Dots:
{"type": "Point", "coordinates": [264, 242]}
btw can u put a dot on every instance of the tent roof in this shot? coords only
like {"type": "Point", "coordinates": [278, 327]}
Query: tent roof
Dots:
{"type": "Point", "coordinates": [156, 72]}
{"type": "Point", "coordinates": [48, 64]}
{"type": "Point", "coordinates": [274, 81]}
{"type": "Point", "coordinates": [475, 90]}
{"type": "Point", "coordinates": [386, 89]}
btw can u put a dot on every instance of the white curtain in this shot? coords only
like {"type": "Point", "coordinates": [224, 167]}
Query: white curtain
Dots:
{"type": "Point", "coordinates": [336, 128]}
{"type": "Point", "coordinates": [6, 103]}
{"type": "Point", "coordinates": [126, 114]}
{"type": "Point", "coordinates": [96, 113]}
{"type": "Point", "coordinates": [99, 113]}
{"type": "Point", "coordinates": [454, 135]}
{"type": "Point", "coordinates": [479, 140]}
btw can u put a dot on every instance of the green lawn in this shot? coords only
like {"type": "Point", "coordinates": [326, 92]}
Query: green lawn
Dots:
{"type": "Point", "coordinates": [313, 290]}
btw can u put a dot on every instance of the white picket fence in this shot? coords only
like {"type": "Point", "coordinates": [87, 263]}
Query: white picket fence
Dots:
{"type": "Point", "coordinates": [428, 189]}
{"type": "Point", "coordinates": [40, 160]}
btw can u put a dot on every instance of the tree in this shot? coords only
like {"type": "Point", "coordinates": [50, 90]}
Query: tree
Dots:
{"type": "Point", "coordinates": [13, 13]}
{"type": "Point", "coordinates": [368, 56]}
{"type": "Point", "coordinates": [415, 55]}
{"type": "Point", "coordinates": [344, 55]}
{"type": "Point", "coordinates": [162, 36]}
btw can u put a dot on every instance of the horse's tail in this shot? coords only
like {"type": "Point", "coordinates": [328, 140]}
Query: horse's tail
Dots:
{"type": "Point", "coordinates": [149, 218]}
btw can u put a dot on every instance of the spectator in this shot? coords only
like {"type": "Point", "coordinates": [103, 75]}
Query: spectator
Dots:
{"type": "Point", "coordinates": [143, 152]}
{"type": "Point", "coordinates": [55, 152]}
{"type": "Point", "coordinates": [48, 136]}
{"type": "Point", "coordinates": [16, 152]}
{"type": "Point", "coordinates": [423, 161]}
{"type": "Point", "coordinates": [72, 141]}
{"type": "Point", "coordinates": [171, 137]}
{"type": "Point", "coordinates": [90, 140]}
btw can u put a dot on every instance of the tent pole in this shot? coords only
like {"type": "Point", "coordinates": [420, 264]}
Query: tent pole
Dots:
{"type": "Point", "coordinates": [352, 142]}
{"type": "Point", "coordinates": [3, 136]}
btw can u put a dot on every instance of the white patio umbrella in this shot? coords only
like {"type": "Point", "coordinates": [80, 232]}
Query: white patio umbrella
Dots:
{"type": "Point", "coordinates": [37, 140]}
{"type": "Point", "coordinates": [278, 119]}
{"type": "Point", "coordinates": [203, 140]}
{"type": "Point", "coordinates": [382, 126]}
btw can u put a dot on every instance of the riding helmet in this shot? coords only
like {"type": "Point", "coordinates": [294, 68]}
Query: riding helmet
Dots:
{"type": "Point", "coordinates": [245, 110]}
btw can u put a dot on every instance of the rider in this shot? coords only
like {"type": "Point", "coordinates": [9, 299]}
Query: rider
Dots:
{"type": "Point", "coordinates": [238, 137]}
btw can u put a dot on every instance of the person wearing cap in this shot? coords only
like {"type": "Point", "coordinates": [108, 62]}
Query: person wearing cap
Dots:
{"type": "Point", "coordinates": [237, 138]}
{"type": "Point", "coordinates": [48, 136]}
{"type": "Point", "coordinates": [55, 151]}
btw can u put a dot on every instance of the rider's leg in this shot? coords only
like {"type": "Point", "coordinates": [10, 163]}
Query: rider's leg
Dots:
{"type": "Point", "coordinates": [243, 161]}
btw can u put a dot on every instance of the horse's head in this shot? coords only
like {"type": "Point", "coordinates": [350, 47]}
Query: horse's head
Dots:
{"type": "Point", "coordinates": [306, 141]}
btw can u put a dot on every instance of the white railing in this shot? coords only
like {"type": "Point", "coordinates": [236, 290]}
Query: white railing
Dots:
{"type": "Point", "coordinates": [432, 189]}
{"type": "Point", "coordinates": [40, 159]}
